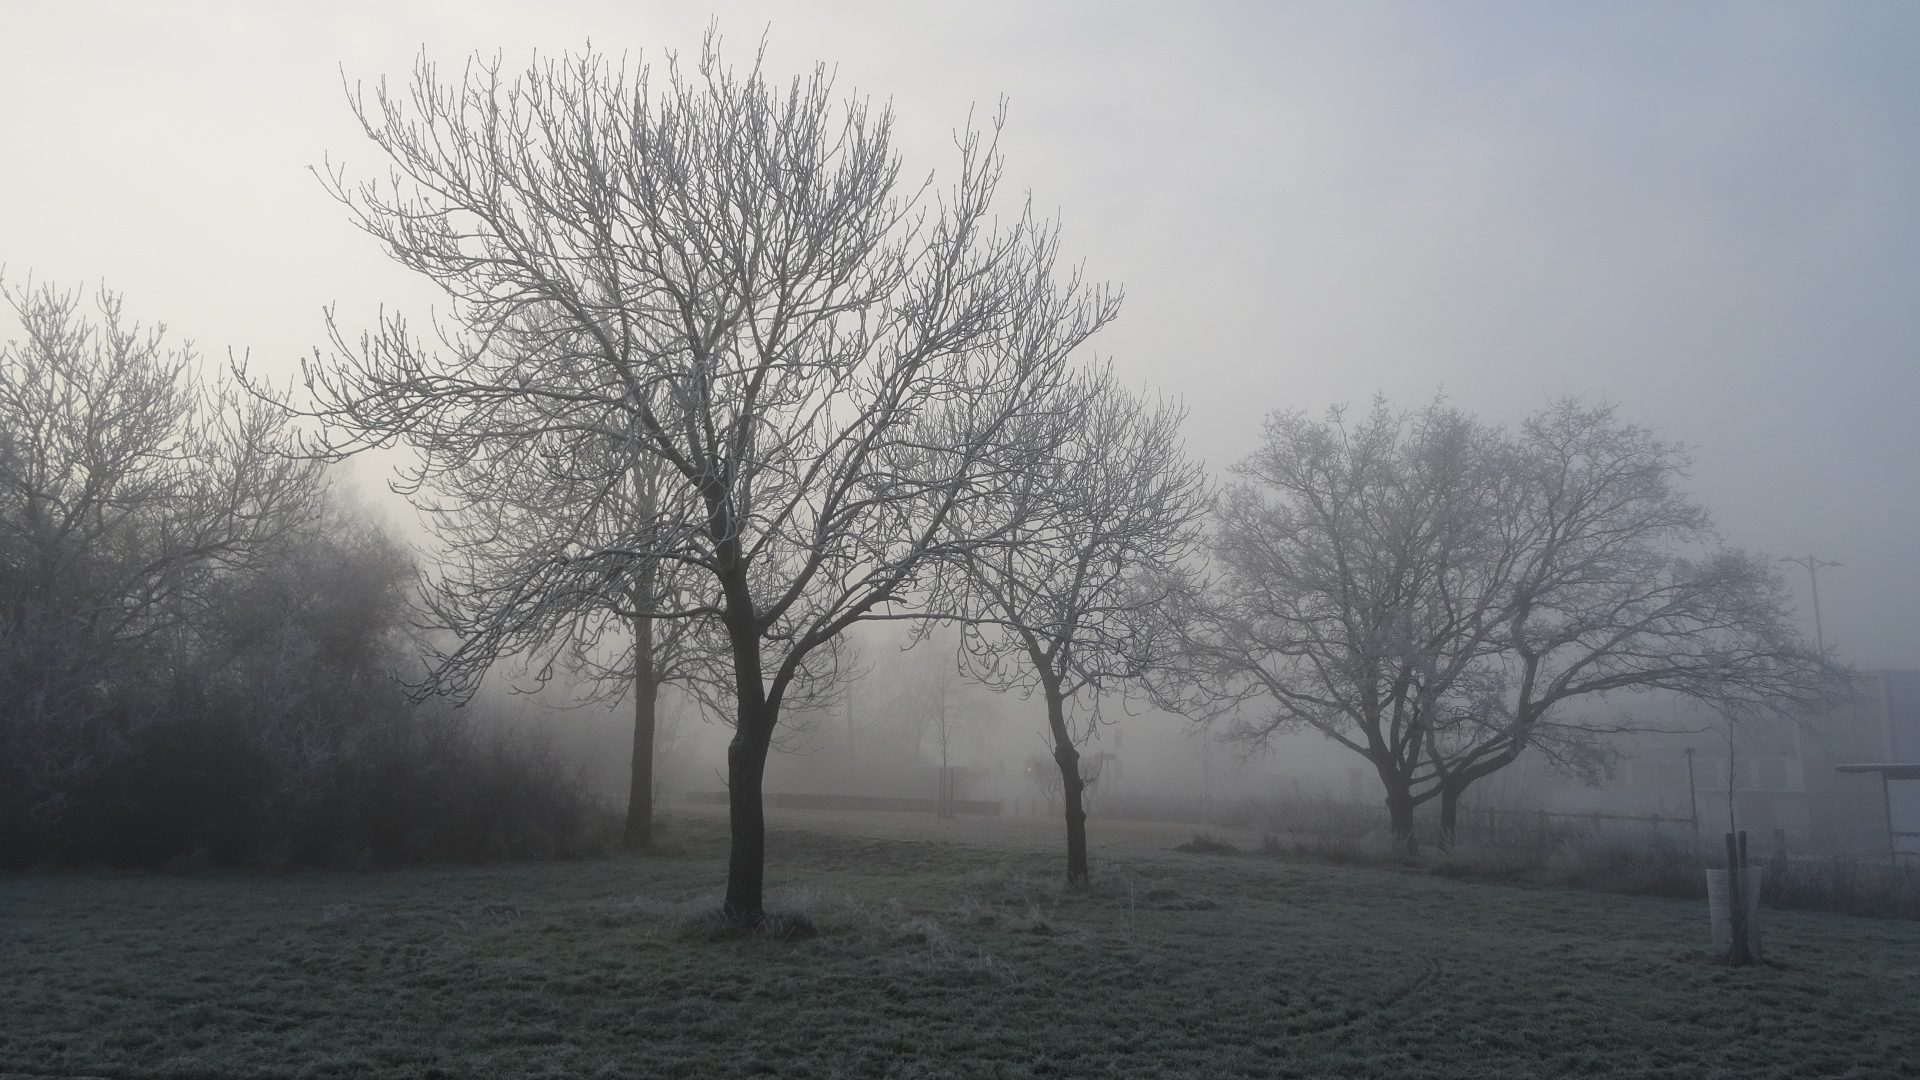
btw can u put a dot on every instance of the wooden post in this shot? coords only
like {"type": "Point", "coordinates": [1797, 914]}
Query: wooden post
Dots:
{"type": "Point", "coordinates": [1736, 911]}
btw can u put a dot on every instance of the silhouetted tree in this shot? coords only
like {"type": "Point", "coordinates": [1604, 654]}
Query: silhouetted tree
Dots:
{"type": "Point", "coordinates": [721, 279]}
{"type": "Point", "coordinates": [1072, 597]}
{"type": "Point", "coordinates": [1435, 594]}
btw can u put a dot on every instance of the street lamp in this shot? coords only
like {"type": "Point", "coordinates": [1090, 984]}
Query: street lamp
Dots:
{"type": "Point", "coordinates": [1814, 566]}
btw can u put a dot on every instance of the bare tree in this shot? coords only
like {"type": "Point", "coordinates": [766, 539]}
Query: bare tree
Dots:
{"type": "Point", "coordinates": [943, 727]}
{"type": "Point", "coordinates": [721, 278]}
{"type": "Point", "coordinates": [1438, 596]}
{"type": "Point", "coordinates": [929, 697]}
{"type": "Point", "coordinates": [126, 491]}
{"type": "Point", "coordinates": [537, 575]}
{"type": "Point", "coordinates": [1073, 597]}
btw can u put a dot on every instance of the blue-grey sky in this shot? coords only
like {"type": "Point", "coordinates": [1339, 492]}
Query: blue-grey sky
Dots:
{"type": "Point", "coordinates": [1707, 213]}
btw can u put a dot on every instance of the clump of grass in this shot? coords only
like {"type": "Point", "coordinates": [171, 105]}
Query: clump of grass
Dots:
{"type": "Point", "coordinates": [1036, 922]}
{"type": "Point", "coordinates": [1008, 885]}
{"type": "Point", "coordinates": [655, 916]}
{"type": "Point", "coordinates": [1206, 844]}
{"type": "Point", "coordinates": [338, 914]}
{"type": "Point", "coordinates": [925, 930]}
{"type": "Point", "coordinates": [714, 926]}
{"type": "Point", "coordinates": [785, 926]}
{"type": "Point", "coordinates": [1107, 879]}
{"type": "Point", "coordinates": [791, 914]}
{"type": "Point", "coordinates": [972, 912]}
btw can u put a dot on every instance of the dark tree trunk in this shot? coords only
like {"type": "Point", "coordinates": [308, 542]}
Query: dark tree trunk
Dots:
{"type": "Point", "coordinates": [1400, 813]}
{"type": "Point", "coordinates": [1068, 759]}
{"type": "Point", "coordinates": [646, 695]}
{"type": "Point", "coordinates": [1450, 813]}
{"type": "Point", "coordinates": [1072, 790]}
{"type": "Point", "coordinates": [1453, 787]}
{"type": "Point", "coordinates": [747, 855]}
{"type": "Point", "coordinates": [754, 717]}
{"type": "Point", "coordinates": [646, 685]}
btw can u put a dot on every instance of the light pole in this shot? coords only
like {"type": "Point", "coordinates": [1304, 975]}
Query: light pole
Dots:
{"type": "Point", "coordinates": [1814, 566]}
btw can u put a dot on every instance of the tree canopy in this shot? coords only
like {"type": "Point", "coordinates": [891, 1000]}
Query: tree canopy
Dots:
{"type": "Point", "coordinates": [1438, 595]}
{"type": "Point", "coordinates": [726, 280]}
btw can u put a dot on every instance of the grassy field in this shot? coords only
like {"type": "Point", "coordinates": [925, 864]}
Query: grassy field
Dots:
{"type": "Point", "coordinates": [936, 954]}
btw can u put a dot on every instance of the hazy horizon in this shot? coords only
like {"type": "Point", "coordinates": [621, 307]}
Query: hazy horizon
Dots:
{"type": "Point", "coordinates": [1706, 215]}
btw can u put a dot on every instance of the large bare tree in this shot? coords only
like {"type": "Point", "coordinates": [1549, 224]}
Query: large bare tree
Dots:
{"type": "Point", "coordinates": [723, 278]}
{"type": "Point", "coordinates": [1072, 599]}
{"type": "Point", "coordinates": [1440, 596]}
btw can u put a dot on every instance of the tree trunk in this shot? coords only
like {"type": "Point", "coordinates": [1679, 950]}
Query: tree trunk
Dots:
{"type": "Point", "coordinates": [646, 695]}
{"type": "Point", "coordinates": [1450, 813]}
{"type": "Point", "coordinates": [1400, 814]}
{"type": "Point", "coordinates": [1071, 789]}
{"type": "Point", "coordinates": [646, 682]}
{"type": "Point", "coordinates": [747, 855]}
{"type": "Point", "coordinates": [754, 718]}
{"type": "Point", "coordinates": [1068, 759]}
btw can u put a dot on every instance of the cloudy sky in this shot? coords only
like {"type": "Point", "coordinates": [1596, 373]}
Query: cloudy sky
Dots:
{"type": "Point", "coordinates": [1708, 214]}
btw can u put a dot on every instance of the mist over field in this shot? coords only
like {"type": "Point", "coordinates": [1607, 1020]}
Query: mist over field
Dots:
{"type": "Point", "coordinates": [1706, 215]}
{"type": "Point", "coordinates": [839, 538]}
{"type": "Point", "coordinates": [886, 742]}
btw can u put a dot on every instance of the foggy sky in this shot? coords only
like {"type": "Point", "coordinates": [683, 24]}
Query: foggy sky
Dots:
{"type": "Point", "coordinates": [1709, 215]}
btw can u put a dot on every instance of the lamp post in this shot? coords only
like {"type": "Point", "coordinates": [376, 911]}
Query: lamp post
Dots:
{"type": "Point", "coordinates": [1814, 566]}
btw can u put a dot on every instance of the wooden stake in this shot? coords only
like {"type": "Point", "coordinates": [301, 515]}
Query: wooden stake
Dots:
{"type": "Point", "coordinates": [1736, 911]}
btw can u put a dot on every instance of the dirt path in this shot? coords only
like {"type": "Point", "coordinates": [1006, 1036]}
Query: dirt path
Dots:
{"type": "Point", "coordinates": [1105, 839]}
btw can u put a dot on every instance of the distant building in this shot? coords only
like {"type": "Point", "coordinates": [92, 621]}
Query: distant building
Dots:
{"type": "Point", "coordinates": [1882, 726]}
{"type": "Point", "coordinates": [1782, 785]}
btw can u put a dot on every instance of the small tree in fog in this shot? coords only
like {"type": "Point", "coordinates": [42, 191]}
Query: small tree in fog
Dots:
{"type": "Point", "coordinates": [1073, 598]}
{"type": "Point", "coordinates": [930, 697]}
{"type": "Point", "coordinates": [943, 730]}
{"type": "Point", "coordinates": [1436, 595]}
{"type": "Point", "coordinates": [538, 571]}
{"type": "Point", "coordinates": [721, 279]}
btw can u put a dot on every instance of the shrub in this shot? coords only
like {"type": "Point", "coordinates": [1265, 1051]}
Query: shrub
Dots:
{"type": "Point", "coordinates": [1206, 844]}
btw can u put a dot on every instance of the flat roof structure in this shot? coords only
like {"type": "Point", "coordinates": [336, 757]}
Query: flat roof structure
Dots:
{"type": "Point", "coordinates": [1900, 784]}
{"type": "Point", "coordinates": [1893, 770]}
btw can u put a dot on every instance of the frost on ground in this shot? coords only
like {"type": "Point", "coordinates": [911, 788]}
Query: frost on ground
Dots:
{"type": "Point", "coordinates": [924, 955]}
